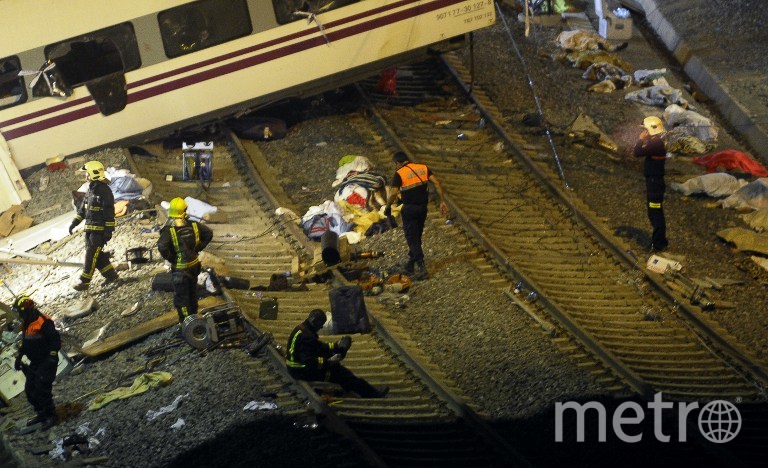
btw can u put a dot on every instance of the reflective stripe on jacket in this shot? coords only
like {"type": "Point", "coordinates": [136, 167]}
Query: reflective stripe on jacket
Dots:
{"type": "Point", "coordinates": [305, 350]}
{"type": "Point", "coordinates": [98, 208]}
{"type": "Point", "coordinates": [180, 244]}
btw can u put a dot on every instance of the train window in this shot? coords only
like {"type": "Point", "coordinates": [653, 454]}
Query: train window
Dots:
{"type": "Point", "coordinates": [12, 89]}
{"type": "Point", "coordinates": [96, 54]}
{"type": "Point", "coordinates": [199, 25]}
{"type": "Point", "coordinates": [284, 9]}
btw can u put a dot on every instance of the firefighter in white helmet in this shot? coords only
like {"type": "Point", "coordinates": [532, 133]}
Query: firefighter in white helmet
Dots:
{"type": "Point", "coordinates": [98, 210]}
{"type": "Point", "coordinates": [180, 241]}
{"type": "Point", "coordinates": [651, 147]}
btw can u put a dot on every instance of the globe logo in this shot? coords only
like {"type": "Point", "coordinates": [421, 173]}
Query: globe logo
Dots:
{"type": "Point", "coordinates": [719, 421]}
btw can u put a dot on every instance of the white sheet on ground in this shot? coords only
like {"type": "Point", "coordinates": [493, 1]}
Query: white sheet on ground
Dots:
{"type": "Point", "coordinates": [754, 195]}
{"type": "Point", "coordinates": [715, 185]}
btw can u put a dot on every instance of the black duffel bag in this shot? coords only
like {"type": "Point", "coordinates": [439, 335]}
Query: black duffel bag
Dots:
{"type": "Point", "coordinates": [348, 310]}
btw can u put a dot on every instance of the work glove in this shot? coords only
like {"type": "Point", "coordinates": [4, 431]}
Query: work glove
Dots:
{"type": "Point", "coordinates": [388, 211]}
{"type": "Point", "coordinates": [107, 236]}
{"type": "Point", "coordinates": [73, 226]}
{"type": "Point", "coordinates": [344, 344]}
{"type": "Point", "coordinates": [17, 365]}
{"type": "Point", "coordinates": [335, 359]}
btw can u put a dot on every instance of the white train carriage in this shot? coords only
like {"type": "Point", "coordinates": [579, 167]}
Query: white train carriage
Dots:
{"type": "Point", "coordinates": [83, 74]}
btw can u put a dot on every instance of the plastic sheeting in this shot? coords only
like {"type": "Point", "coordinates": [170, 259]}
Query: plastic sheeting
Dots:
{"type": "Point", "coordinates": [714, 185]}
{"type": "Point", "coordinates": [757, 220]}
{"type": "Point", "coordinates": [754, 196]}
{"type": "Point", "coordinates": [729, 160]}
{"type": "Point", "coordinates": [692, 122]}
{"type": "Point", "coordinates": [746, 240]}
{"type": "Point", "coordinates": [660, 96]}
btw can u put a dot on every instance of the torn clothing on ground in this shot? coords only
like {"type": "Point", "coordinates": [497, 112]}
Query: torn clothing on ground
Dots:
{"type": "Point", "coordinates": [141, 384]}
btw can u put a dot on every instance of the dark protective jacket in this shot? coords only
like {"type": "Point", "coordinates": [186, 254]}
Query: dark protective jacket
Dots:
{"type": "Point", "coordinates": [655, 154]}
{"type": "Point", "coordinates": [412, 180]}
{"type": "Point", "coordinates": [98, 208]}
{"type": "Point", "coordinates": [40, 339]}
{"type": "Point", "coordinates": [181, 244]}
{"type": "Point", "coordinates": [306, 351]}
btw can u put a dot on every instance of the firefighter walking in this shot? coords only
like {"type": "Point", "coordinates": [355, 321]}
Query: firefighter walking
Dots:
{"type": "Point", "coordinates": [98, 210]}
{"type": "Point", "coordinates": [40, 343]}
{"type": "Point", "coordinates": [180, 241]}
{"type": "Point", "coordinates": [410, 181]}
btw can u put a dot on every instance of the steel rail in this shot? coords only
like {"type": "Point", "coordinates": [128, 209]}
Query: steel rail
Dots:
{"type": "Point", "coordinates": [749, 364]}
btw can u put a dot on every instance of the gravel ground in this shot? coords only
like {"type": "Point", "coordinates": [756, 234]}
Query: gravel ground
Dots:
{"type": "Point", "coordinates": [456, 319]}
{"type": "Point", "coordinates": [614, 186]}
{"type": "Point", "coordinates": [442, 312]}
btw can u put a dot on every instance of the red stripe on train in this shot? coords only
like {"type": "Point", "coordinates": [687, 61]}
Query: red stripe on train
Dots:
{"type": "Point", "coordinates": [222, 70]}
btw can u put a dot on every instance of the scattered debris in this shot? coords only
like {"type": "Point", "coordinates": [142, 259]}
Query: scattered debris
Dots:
{"type": "Point", "coordinates": [141, 384]}
{"type": "Point", "coordinates": [259, 406]}
{"type": "Point", "coordinates": [660, 264]}
{"type": "Point", "coordinates": [130, 310]}
{"type": "Point", "coordinates": [152, 415]}
{"type": "Point", "coordinates": [745, 240]}
{"type": "Point", "coordinates": [178, 424]}
{"type": "Point", "coordinates": [14, 220]}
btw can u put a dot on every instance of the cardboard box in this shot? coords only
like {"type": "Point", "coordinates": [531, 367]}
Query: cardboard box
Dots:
{"type": "Point", "coordinates": [614, 28]}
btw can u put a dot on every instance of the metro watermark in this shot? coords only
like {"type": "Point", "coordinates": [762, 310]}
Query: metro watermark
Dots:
{"type": "Point", "coordinates": [719, 421]}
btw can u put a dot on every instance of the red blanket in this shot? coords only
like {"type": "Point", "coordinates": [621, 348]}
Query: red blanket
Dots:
{"type": "Point", "coordinates": [731, 159]}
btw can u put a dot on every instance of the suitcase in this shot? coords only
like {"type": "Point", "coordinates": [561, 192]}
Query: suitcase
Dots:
{"type": "Point", "coordinates": [348, 310]}
{"type": "Point", "coordinates": [268, 308]}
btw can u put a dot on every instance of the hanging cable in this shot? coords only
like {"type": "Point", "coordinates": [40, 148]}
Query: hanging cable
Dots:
{"type": "Point", "coordinates": [500, 14]}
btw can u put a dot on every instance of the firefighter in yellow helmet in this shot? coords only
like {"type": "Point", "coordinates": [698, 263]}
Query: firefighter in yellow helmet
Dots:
{"type": "Point", "coordinates": [40, 343]}
{"type": "Point", "coordinates": [180, 241]}
{"type": "Point", "coordinates": [98, 210]}
{"type": "Point", "coordinates": [651, 147]}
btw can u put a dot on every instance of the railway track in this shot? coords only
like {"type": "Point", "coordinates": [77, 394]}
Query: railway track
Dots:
{"type": "Point", "coordinates": [423, 421]}
{"type": "Point", "coordinates": [521, 233]}
{"type": "Point", "coordinates": [566, 270]}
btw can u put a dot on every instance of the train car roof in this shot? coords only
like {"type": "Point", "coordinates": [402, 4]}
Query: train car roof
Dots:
{"type": "Point", "coordinates": [29, 24]}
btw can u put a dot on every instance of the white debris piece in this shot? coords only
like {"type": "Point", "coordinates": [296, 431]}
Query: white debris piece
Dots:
{"type": "Point", "coordinates": [260, 405]}
{"type": "Point", "coordinates": [178, 424]}
{"type": "Point", "coordinates": [151, 414]}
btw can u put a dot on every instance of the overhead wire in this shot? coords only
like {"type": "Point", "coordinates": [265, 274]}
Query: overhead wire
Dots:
{"type": "Point", "coordinates": [531, 85]}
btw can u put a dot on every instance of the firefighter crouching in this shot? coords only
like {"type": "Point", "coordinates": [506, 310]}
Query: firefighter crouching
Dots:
{"type": "Point", "coordinates": [98, 210]}
{"type": "Point", "coordinates": [40, 343]}
{"type": "Point", "coordinates": [308, 358]}
{"type": "Point", "coordinates": [180, 241]}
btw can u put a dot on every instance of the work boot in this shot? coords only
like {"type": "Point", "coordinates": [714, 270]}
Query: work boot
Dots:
{"type": "Point", "coordinates": [111, 280]}
{"type": "Point", "coordinates": [81, 287]}
{"type": "Point", "coordinates": [36, 420]}
{"type": "Point", "coordinates": [48, 423]}
{"type": "Point", "coordinates": [421, 271]}
{"type": "Point", "coordinates": [381, 391]}
{"type": "Point", "coordinates": [408, 268]}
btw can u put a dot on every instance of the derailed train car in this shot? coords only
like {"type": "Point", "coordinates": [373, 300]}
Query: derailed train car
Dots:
{"type": "Point", "coordinates": [80, 75]}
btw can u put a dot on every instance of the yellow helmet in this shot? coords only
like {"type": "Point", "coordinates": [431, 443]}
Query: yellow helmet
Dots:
{"type": "Point", "coordinates": [94, 169]}
{"type": "Point", "coordinates": [653, 124]}
{"type": "Point", "coordinates": [177, 208]}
